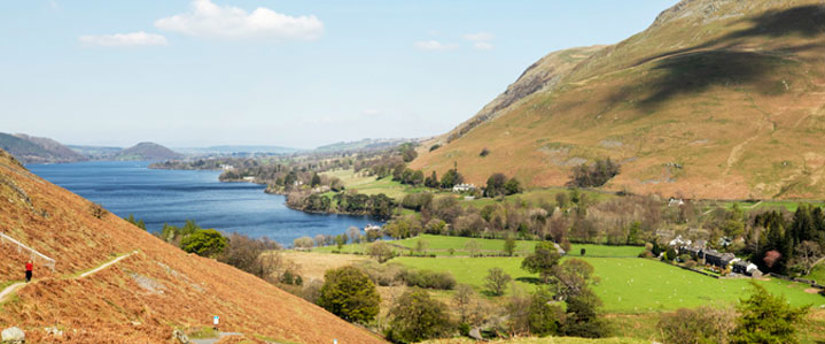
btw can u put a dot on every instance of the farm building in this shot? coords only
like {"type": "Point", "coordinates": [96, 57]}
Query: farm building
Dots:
{"type": "Point", "coordinates": [715, 258]}
{"type": "Point", "coordinates": [746, 268]}
{"type": "Point", "coordinates": [464, 188]}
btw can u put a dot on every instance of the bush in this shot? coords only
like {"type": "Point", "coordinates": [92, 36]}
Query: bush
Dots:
{"type": "Point", "coordinates": [434, 147]}
{"type": "Point", "coordinates": [303, 243]}
{"type": "Point", "coordinates": [350, 294]}
{"type": "Point", "coordinates": [496, 281]}
{"type": "Point", "coordinates": [704, 325]}
{"type": "Point", "coordinates": [380, 251]}
{"type": "Point", "coordinates": [594, 175]}
{"type": "Point", "coordinates": [428, 279]}
{"type": "Point", "coordinates": [415, 317]}
{"type": "Point", "coordinates": [205, 242]}
{"type": "Point", "coordinates": [252, 255]}
{"type": "Point", "coordinates": [484, 152]}
{"type": "Point", "coordinates": [98, 211]}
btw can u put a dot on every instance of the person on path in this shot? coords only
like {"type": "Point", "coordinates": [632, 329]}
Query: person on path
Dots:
{"type": "Point", "coordinates": [29, 269]}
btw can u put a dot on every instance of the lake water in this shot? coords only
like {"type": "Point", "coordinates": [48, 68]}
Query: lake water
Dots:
{"type": "Point", "coordinates": [165, 196]}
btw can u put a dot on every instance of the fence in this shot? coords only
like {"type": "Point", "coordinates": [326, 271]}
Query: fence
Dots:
{"type": "Point", "coordinates": [46, 261]}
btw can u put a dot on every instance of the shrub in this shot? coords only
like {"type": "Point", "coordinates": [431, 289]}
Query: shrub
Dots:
{"type": "Point", "coordinates": [434, 147]}
{"type": "Point", "coordinates": [303, 243]}
{"type": "Point", "coordinates": [98, 211]}
{"type": "Point", "coordinates": [205, 242]}
{"type": "Point", "coordinates": [484, 152]}
{"type": "Point", "coordinates": [594, 175]}
{"type": "Point", "coordinates": [350, 294]}
{"type": "Point", "coordinates": [428, 279]}
{"type": "Point", "coordinates": [704, 325]}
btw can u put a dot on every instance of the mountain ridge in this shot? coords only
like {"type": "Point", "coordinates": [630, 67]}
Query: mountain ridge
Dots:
{"type": "Point", "coordinates": [716, 99]}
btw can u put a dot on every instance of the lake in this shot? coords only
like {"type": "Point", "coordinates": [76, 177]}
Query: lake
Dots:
{"type": "Point", "coordinates": [166, 196]}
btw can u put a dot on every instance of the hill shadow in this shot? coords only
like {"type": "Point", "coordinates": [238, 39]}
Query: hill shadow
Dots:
{"type": "Point", "coordinates": [716, 62]}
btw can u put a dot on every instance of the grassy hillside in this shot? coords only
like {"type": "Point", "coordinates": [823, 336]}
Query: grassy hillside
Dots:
{"type": "Point", "coordinates": [717, 99]}
{"type": "Point", "coordinates": [147, 151]}
{"type": "Point", "coordinates": [142, 297]}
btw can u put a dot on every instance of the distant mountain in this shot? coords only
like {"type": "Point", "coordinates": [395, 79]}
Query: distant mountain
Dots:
{"type": "Point", "coordinates": [365, 144]}
{"type": "Point", "coordinates": [97, 152]}
{"type": "Point", "coordinates": [235, 149]}
{"type": "Point", "coordinates": [147, 151]}
{"type": "Point", "coordinates": [721, 99]}
{"type": "Point", "coordinates": [32, 150]}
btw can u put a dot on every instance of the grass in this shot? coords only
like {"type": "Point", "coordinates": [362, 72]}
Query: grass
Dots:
{"type": "Point", "coordinates": [371, 185]}
{"type": "Point", "coordinates": [440, 246]}
{"type": "Point", "coordinates": [818, 273]}
{"type": "Point", "coordinates": [790, 205]}
{"type": "Point", "coordinates": [627, 285]}
{"type": "Point", "coordinates": [547, 340]}
{"type": "Point", "coordinates": [203, 332]}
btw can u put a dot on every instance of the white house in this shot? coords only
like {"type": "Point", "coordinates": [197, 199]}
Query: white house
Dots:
{"type": "Point", "coordinates": [464, 188]}
{"type": "Point", "coordinates": [370, 228]}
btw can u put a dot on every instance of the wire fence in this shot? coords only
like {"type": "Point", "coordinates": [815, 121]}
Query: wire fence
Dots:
{"type": "Point", "coordinates": [33, 254]}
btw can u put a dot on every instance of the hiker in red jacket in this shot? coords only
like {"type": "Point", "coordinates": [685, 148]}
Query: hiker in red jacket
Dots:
{"type": "Point", "coordinates": [29, 268]}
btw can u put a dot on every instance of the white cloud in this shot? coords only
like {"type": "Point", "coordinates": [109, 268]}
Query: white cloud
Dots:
{"type": "Point", "coordinates": [133, 39]}
{"type": "Point", "coordinates": [209, 20]}
{"type": "Point", "coordinates": [433, 45]}
{"type": "Point", "coordinates": [54, 5]}
{"type": "Point", "coordinates": [481, 40]}
{"type": "Point", "coordinates": [371, 112]}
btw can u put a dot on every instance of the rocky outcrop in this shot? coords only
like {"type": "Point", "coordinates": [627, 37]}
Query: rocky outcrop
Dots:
{"type": "Point", "coordinates": [12, 335]}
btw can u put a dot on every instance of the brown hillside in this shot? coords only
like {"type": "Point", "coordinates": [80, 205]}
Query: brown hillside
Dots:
{"type": "Point", "coordinates": [717, 99]}
{"type": "Point", "coordinates": [141, 298]}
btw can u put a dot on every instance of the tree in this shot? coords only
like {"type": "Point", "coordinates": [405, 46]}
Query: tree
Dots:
{"type": "Point", "coordinates": [380, 251]}
{"type": "Point", "coordinates": [496, 281]}
{"type": "Point", "coordinates": [544, 316]}
{"type": "Point", "coordinates": [766, 319]}
{"type": "Point", "coordinates": [512, 187]}
{"type": "Point", "coordinates": [258, 257]}
{"type": "Point", "coordinates": [808, 252]}
{"type": "Point", "coordinates": [350, 294]}
{"type": "Point", "coordinates": [509, 245]}
{"type": "Point", "coordinates": [451, 178]}
{"type": "Point", "coordinates": [205, 243]}
{"type": "Point", "coordinates": [432, 181]}
{"type": "Point", "coordinates": [461, 300]}
{"type": "Point", "coordinates": [495, 185]}
{"type": "Point", "coordinates": [594, 175]}
{"type": "Point", "coordinates": [581, 318]}
{"type": "Point", "coordinates": [415, 316]}
{"type": "Point", "coordinates": [542, 261]}
{"type": "Point", "coordinates": [473, 247]}
{"type": "Point", "coordinates": [316, 180]}
{"type": "Point", "coordinates": [303, 243]}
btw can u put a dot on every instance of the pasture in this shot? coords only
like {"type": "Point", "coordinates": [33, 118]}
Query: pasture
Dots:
{"type": "Point", "coordinates": [627, 285]}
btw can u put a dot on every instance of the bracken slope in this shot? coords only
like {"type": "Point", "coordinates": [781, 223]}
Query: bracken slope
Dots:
{"type": "Point", "coordinates": [142, 298]}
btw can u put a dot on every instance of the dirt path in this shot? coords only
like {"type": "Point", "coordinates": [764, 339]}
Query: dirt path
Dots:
{"type": "Point", "coordinates": [106, 265]}
{"type": "Point", "coordinates": [214, 340]}
{"type": "Point", "coordinates": [14, 287]}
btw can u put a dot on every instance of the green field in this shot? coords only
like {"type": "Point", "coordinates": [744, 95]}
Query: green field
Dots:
{"type": "Point", "coordinates": [628, 285]}
{"type": "Point", "coordinates": [441, 245]}
{"type": "Point", "coordinates": [790, 205]}
{"type": "Point", "coordinates": [370, 185]}
{"type": "Point", "coordinates": [818, 274]}
{"type": "Point", "coordinates": [547, 340]}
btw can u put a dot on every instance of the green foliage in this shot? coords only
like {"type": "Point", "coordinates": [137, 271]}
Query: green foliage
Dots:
{"type": "Point", "coordinates": [138, 223]}
{"type": "Point", "coordinates": [415, 316]}
{"type": "Point", "coordinates": [496, 281]}
{"type": "Point", "coordinates": [350, 294]}
{"type": "Point", "coordinates": [544, 315]}
{"type": "Point", "coordinates": [543, 260]}
{"type": "Point", "coordinates": [509, 245]}
{"type": "Point", "coordinates": [451, 178]}
{"type": "Point", "coordinates": [427, 279]}
{"type": "Point", "coordinates": [704, 325]}
{"type": "Point", "coordinates": [766, 319]}
{"type": "Point", "coordinates": [594, 175]}
{"type": "Point", "coordinates": [204, 242]}
{"type": "Point", "coordinates": [499, 185]}
{"type": "Point", "coordinates": [380, 251]}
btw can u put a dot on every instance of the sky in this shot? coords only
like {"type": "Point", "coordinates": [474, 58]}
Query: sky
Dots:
{"type": "Point", "coordinates": [187, 73]}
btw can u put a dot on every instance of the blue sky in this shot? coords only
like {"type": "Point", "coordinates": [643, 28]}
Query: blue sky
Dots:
{"type": "Point", "coordinates": [291, 73]}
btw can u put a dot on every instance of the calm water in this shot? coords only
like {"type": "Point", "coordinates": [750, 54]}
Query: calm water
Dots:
{"type": "Point", "coordinates": [163, 196]}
